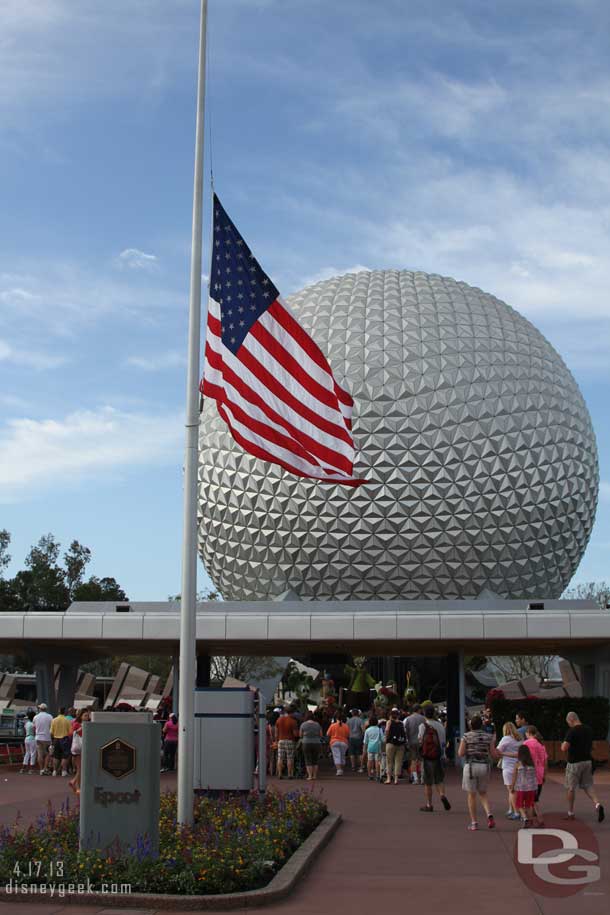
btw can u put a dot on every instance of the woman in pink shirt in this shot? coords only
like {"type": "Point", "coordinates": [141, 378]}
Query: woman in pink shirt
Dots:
{"type": "Point", "coordinates": [533, 740]}
{"type": "Point", "coordinates": [170, 743]}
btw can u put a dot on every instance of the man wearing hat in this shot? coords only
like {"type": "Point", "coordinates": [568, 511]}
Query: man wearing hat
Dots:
{"type": "Point", "coordinates": [42, 730]}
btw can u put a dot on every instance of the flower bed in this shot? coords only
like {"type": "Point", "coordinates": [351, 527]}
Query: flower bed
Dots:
{"type": "Point", "coordinates": [235, 844]}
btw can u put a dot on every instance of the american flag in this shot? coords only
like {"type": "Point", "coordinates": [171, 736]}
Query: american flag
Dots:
{"type": "Point", "coordinates": [272, 385]}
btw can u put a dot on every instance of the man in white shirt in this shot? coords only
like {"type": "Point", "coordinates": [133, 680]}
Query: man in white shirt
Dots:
{"type": "Point", "coordinates": [42, 730]}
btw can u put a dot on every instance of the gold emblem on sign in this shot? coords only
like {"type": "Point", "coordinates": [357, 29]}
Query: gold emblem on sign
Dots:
{"type": "Point", "coordinates": [118, 758]}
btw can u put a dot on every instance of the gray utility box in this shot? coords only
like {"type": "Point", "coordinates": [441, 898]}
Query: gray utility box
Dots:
{"type": "Point", "coordinates": [224, 739]}
{"type": "Point", "coordinates": [119, 800]}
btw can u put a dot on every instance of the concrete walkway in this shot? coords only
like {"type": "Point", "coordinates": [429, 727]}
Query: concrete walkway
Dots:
{"type": "Point", "coordinates": [387, 855]}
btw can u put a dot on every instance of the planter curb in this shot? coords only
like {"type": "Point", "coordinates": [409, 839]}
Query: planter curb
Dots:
{"type": "Point", "coordinates": [278, 888]}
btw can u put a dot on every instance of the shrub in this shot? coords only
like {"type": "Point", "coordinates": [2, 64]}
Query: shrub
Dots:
{"type": "Point", "coordinates": [236, 843]}
{"type": "Point", "coordinates": [549, 715]}
{"type": "Point", "coordinates": [493, 695]}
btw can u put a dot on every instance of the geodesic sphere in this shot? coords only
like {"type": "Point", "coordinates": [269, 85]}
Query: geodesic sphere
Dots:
{"type": "Point", "coordinates": [476, 440]}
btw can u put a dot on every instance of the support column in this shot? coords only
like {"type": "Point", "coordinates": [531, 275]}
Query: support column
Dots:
{"type": "Point", "coordinates": [588, 677]}
{"type": "Point", "coordinates": [175, 684]}
{"type": "Point", "coordinates": [68, 676]}
{"type": "Point", "coordinates": [453, 701]}
{"type": "Point", "coordinates": [203, 670]}
{"type": "Point", "coordinates": [45, 684]}
{"type": "Point", "coordinates": [461, 694]}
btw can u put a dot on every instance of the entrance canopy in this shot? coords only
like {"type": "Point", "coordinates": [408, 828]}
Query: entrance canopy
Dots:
{"type": "Point", "coordinates": [398, 628]}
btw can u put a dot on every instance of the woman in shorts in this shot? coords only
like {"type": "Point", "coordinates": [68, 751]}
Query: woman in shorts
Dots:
{"type": "Point", "coordinates": [310, 734]}
{"type": "Point", "coordinates": [478, 750]}
{"type": "Point", "coordinates": [77, 746]}
{"type": "Point", "coordinates": [509, 747]}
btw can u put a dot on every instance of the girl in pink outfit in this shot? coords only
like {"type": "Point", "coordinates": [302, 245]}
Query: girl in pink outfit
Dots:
{"type": "Point", "coordinates": [541, 758]}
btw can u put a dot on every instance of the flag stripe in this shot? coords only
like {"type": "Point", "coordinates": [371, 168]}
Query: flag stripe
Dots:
{"type": "Point", "coordinates": [288, 389]}
{"type": "Point", "coordinates": [257, 449]}
{"type": "Point", "coordinates": [291, 366]}
{"type": "Point", "coordinates": [311, 367]}
{"type": "Point", "coordinates": [223, 384]}
{"type": "Point", "coordinates": [271, 374]}
{"type": "Point", "coordinates": [295, 415]}
{"type": "Point", "coordinates": [276, 439]}
{"type": "Point", "coordinates": [264, 373]}
{"type": "Point", "coordinates": [282, 314]}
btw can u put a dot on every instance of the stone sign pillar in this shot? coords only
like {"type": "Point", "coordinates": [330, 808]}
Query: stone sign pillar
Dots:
{"type": "Point", "coordinates": [119, 800]}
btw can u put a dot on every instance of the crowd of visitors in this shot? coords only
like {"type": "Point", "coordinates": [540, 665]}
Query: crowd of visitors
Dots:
{"type": "Point", "coordinates": [412, 746]}
{"type": "Point", "coordinates": [406, 745]}
{"type": "Point", "coordinates": [54, 744]}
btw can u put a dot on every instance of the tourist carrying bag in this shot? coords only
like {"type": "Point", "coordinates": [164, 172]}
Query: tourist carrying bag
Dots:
{"type": "Point", "coordinates": [430, 747]}
{"type": "Point", "coordinates": [397, 735]}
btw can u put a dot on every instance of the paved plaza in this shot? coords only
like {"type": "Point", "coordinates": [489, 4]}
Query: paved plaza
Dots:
{"type": "Point", "coordinates": [386, 854]}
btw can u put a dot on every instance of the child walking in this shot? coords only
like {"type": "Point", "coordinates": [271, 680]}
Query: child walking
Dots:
{"type": "Point", "coordinates": [372, 748]}
{"type": "Point", "coordinates": [525, 786]}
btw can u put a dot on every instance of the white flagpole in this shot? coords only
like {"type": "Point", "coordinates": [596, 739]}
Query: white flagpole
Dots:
{"type": "Point", "coordinates": [188, 602]}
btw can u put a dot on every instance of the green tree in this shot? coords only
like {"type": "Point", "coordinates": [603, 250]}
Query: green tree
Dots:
{"type": "Point", "coordinates": [45, 584]}
{"type": "Point", "coordinates": [9, 600]}
{"type": "Point", "coordinates": [5, 539]}
{"type": "Point", "coordinates": [210, 594]}
{"type": "Point", "coordinates": [42, 585]}
{"type": "Point", "coordinates": [242, 668]}
{"type": "Point", "coordinates": [599, 591]}
{"type": "Point", "coordinates": [76, 560]}
{"type": "Point", "coordinates": [99, 589]}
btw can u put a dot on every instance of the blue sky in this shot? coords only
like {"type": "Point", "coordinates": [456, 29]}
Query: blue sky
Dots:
{"type": "Point", "coordinates": [466, 138]}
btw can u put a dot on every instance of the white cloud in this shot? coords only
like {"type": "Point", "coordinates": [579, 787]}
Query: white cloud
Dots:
{"type": "Point", "coordinates": [157, 363]}
{"type": "Point", "coordinates": [13, 402]}
{"type": "Point", "coordinates": [35, 454]}
{"type": "Point", "coordinates": [134, 259]}
{"type": "Point", "coordinates": [62, 298]}
{"type": "Point", "coordinates": [58, 48]}
{"type": "Point", "coordinates": [29, 358]}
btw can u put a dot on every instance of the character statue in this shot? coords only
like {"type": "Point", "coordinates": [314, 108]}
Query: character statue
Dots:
{"type": "Point", "coordinates": [360, 684]}
{"type": "Point", "coordinates": [386, 696]}
{"type": "Point", "coordinates": [410, 694]}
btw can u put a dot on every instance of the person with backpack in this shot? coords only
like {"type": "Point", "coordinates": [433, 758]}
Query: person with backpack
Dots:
{"type": "Point", "coordinates": [432, 750]}
{"type": "Point", "coordinates": [396, 739]}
